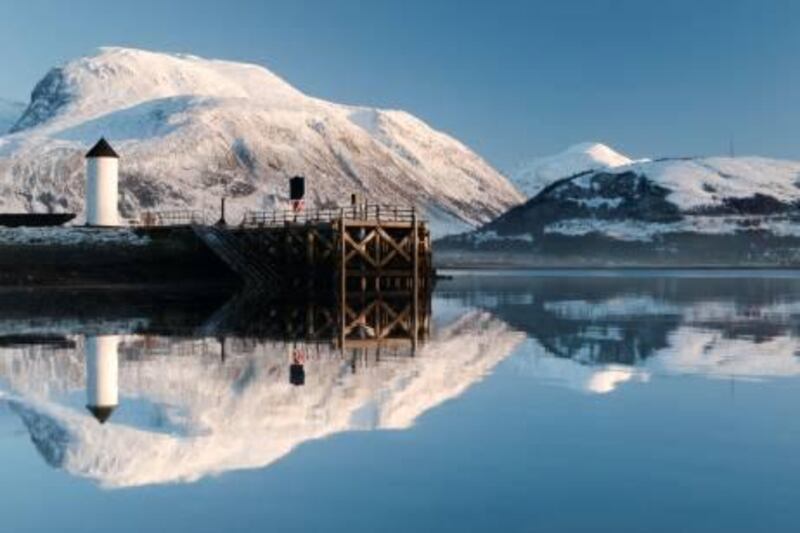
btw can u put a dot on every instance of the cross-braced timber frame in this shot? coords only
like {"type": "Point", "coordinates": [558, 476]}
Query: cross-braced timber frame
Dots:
{"type": "Point", "coordinates": [361, 248]}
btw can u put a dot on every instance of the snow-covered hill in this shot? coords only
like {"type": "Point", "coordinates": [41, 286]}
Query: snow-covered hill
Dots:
{"type": "Point", "coordinates": [635, 202]}
{"type": "Point", "coordinates": [187, 128]}
{"type": "Point", "coordinates": [535, 175]}
{"type": "Point", "coordinates": [10, 112]}
{"type": "Point", "coordinates": [704, 211]}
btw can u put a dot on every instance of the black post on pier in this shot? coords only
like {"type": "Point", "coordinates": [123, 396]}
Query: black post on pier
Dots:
{"type": "Point", "coordinates": [221, 221]}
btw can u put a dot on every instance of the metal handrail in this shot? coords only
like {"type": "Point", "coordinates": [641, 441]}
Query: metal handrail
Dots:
{"type": "Point", "coordinates": [178, 217]}
{"type": "Point", "coordinates": [282, 217]}
{"type": "Point", "coordinates": [386, 213]}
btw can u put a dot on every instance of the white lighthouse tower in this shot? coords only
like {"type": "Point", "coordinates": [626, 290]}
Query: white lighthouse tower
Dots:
{"type": "Point", "coordinates": [102, 376]}
{"type": "Point", "coordinates": [102, 185]}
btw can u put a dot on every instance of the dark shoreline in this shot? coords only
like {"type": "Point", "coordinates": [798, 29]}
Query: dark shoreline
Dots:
{"type": "Point", "coordinates": [742, 250]}
{"type": "Point", "coordinates": [96, 258]}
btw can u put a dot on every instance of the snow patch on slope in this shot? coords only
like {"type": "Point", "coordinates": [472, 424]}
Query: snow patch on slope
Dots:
{"type": "Point", "coordinates": [696, 183]}
{"type": "Point", "coordinates": [638, 230]}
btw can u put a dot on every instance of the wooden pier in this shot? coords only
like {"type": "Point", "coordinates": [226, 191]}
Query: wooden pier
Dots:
{"type": "Point", "coordinates": [360, 276]}
{"type": "Point", "coordinates": [357, 249]}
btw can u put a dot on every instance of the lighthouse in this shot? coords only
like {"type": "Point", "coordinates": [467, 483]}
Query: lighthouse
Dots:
{"type": "Point", "coordinates": [102, 185]}
{"type": "Point", "coordinates": [102, 376]}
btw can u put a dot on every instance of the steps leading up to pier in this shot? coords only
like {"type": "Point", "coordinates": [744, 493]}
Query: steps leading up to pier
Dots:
{"type": "Point", "coordinates": [256, 272]}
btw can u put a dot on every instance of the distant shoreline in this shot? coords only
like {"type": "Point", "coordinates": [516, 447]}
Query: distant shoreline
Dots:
{"type": "Point", "coordinates": [573, 268]}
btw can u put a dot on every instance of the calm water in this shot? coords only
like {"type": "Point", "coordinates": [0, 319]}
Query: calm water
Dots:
{"type": "Point", "coordinates": [532, 402]}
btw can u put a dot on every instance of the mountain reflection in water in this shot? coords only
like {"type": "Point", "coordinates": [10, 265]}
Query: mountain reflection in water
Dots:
{"type": "Point", "coordinates": [594, 333]}
{"type": "Point", "coordinates": [232, 388]}
{"type": "Point", "coordinates": [193, 386]}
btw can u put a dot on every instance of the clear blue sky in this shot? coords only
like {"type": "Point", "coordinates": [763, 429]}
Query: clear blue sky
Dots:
{"type": "Point", "coordinates": [512, 79]}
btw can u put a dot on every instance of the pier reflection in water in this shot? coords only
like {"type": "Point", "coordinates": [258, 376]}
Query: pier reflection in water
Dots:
{"type": "Point", "coordinates": [675, 390]}
{"type": "Point", "coordinates": [182, 390]}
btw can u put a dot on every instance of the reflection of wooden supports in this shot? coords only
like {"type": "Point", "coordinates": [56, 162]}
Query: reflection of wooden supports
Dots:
{"type": "Point", "coordinates": [415, 286]}
{"type": "Point", "coordinates": [374, 320]}
{"type": "Point", "coordinates": [380, 319]}
{"type": "Point", "coordinates": [385, 323]}
{"type": "Point", "coordinates": [342, 277]}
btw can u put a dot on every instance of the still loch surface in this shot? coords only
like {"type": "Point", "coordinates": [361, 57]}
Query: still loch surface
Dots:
{"type": "Point", "coordinates": [621, 401]}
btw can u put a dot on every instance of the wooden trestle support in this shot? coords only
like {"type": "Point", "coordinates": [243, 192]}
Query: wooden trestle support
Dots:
{"type": "Point", "coordinates": [366, 321]}
{"type": "Point", "coordinates": [379, 260]}
{"type": "Point", "coordinates": [376, 262]}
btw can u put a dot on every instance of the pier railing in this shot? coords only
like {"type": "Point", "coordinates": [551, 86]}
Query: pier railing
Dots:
{"type": "Point", "coordinates": [377, 212]}
{"type": "Point", "coordinates": [179, 217]}
{"type": "Point", "coordinates": [282, 217]}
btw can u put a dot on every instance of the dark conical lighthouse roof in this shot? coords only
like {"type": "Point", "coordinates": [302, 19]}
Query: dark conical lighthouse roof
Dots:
{"type": "Point", "coordinates": [102, 149]}
{"type": "Point", "coordinates": [101, 412]}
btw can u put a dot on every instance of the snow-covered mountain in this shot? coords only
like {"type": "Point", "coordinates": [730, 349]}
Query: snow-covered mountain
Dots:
{"type": "Point", "coordinates": [10, 112]}
{"type": "Point", "coordinates": [533, 176]}
{"type": "Point", "coordinates": [187, 128]}
{"type": "Point", "coordinates": [703, 211]}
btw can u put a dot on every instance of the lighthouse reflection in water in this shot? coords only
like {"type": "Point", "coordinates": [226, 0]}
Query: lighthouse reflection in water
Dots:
{"type": "Point", "coordinates": [662, 381]}
{"type": "Point", "coordinates": [102, 375]}
{"type": "Point", "coordinates": [178, 387]}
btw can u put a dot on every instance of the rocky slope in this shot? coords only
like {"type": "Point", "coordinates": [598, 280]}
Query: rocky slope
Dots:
{"type": "Point", "coordinates": [700, 211]}
{"type": "Point", "coordinates": [189, 128]}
